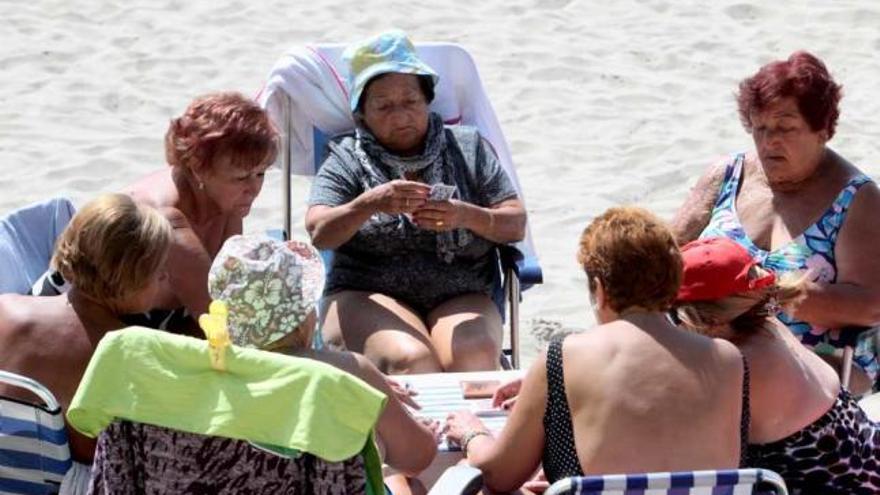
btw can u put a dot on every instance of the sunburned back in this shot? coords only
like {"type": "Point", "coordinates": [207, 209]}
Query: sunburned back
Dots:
{"type": "Point", "coordinates": [42, 338]}
{"type": "Point", "coordinates": [791, 386]}
{"type": "Point", "coordinates": [653, 401]}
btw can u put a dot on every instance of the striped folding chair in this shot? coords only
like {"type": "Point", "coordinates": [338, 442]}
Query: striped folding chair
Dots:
{"type": "Point", "coordinates": [723, 482]}
{"type": "Point", "coordinates": [34, 455]}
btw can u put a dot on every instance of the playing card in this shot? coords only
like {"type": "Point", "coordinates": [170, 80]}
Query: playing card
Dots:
{"type": "Point", "coordinates": [442, 192]}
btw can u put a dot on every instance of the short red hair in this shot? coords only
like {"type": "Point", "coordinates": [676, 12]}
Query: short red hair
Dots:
{"type": "Point", "coordinates": [804, 77]}
{"type": "Point", "coordinates": [221, 124]}
{"type": "Point", "coordinates": [635, 256]}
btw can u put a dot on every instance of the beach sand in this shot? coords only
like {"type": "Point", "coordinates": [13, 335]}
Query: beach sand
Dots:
{"type": "Point", "coordinates": [603, 103]}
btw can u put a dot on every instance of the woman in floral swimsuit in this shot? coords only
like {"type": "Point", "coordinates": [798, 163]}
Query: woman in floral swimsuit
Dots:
{"type": "Point", "coordinates": [798, 206]}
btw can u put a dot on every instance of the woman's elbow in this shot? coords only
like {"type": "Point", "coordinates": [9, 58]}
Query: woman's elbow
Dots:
{"type": "Point", "coordinates": [500, 482]}
{"type": "Point", "coordinates": [417, 454]}
{"type": "Point", "coordinates": [319, 236]}
{"type": "Point", "coordinates": [516, 230]}
{"type": "Point", "coordinates": [520, 230]}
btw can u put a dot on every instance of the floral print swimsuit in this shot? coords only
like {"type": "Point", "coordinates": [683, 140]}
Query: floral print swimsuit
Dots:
{"type": "Point", "coordinates": [812, 250]}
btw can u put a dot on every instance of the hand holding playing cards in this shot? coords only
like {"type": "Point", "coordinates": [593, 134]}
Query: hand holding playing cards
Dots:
{"type": "Point", "coordinates": [440, 215]}
{"type": "Point", "coordinates": [397, 196]}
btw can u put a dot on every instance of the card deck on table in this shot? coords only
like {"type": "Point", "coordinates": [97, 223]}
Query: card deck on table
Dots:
{"type": "Point", "coordinates": [479, 389]}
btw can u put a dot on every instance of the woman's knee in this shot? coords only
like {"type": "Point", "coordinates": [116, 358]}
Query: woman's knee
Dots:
{"type": "Point", "coordinates": [474, 346]}
{"type": "Point", "coordinates": [402, 354]}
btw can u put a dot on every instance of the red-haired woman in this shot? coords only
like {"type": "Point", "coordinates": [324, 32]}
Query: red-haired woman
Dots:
{"type": "Point", "coordinates": [218, 152]}
{"type": "Point", "coordinates": [796, 205]}
{"type": "Point", "coordinates": [635, 383]}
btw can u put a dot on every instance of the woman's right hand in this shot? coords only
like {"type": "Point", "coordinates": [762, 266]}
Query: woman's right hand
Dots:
{"type": "Point", "coordinates": [397, 196]}
{"type": "Point", "coordinates": [505, 395]}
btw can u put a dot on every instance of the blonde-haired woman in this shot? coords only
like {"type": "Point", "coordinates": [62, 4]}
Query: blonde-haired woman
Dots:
{"type": "Point", "coordinates": [803, 424]}
{"type": "Point", "coordinates": [111, 253]}
{"type": "Point", "coordinates": [633, 384]}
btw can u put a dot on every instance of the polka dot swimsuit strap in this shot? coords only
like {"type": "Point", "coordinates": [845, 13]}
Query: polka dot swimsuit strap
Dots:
{"type": "Point", "coordinates": [560, 457]}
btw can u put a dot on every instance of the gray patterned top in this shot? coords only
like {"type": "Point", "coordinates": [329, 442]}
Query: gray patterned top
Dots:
{"type": "Point", "coordinates": [391, 255]}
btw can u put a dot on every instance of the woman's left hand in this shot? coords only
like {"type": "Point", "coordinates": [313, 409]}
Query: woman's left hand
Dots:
{"type": "Point", "coordinates": [459, 423]}
{"type": "Point", "coordinates": [440, 215]}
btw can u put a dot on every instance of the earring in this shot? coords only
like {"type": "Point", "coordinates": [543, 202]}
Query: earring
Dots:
{"type": "Point", "coordinates": [201, 186]}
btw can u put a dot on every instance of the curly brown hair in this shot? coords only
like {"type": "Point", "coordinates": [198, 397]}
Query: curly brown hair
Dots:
{"type": "Point", "coordinates": [635, 257]}
{"type": "Point", "coordinates": [221, 124]}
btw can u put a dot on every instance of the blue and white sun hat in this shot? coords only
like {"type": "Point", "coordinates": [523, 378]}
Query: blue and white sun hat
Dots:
{"type": "Point", "coordinates": [387, 52]}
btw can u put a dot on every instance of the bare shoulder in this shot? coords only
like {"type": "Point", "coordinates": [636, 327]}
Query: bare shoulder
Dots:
{"type": "Point", "coordinates": [350, 362]}
{"type": "Point", "coordinates": [175, 217]}
{"type": "Point", "coordinates": [27, 318]}
{"type": "Point", "coordinates": [694, 213]}
{"type": "Point", "coordinates": [12, 312]}
{"type": "Point", "coordinates": [155, 189]}
{"type": "Point", "coordinates": [594, 348]}
{"type": "Point", "coordinates": [729, 355]}
{"type": "Point", "coordinates": [866, 200]}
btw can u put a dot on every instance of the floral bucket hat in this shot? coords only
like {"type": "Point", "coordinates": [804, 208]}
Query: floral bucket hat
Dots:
{"type": "Point", "coordinates": [387, 52]}
{"type": "Point", "coordinates": [269, 287]}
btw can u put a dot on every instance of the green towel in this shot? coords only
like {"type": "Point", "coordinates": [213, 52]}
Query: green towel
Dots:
{"type": "Point", "coordinates": [154, 377]}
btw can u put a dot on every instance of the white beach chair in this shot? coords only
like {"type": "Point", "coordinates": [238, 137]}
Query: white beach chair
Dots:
{"type": "Point", "coordinates": [27, 240]}
{"type": "Point", "coordinates": [307, 97]}
{"type": "Point", "coordinates": [729, 482]}
{"type": "Point", "coordinates": [34, 453]}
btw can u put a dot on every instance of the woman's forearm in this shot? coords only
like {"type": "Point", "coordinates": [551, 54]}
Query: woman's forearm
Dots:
{"type": "Point", "coordinates": [496, 475]}
{"type": "Point", "coordinates": [503, 224]}
{"type": "Point", "coordinates": [839, 305]}
{"type": "Point", "coordinates": [330, 227]}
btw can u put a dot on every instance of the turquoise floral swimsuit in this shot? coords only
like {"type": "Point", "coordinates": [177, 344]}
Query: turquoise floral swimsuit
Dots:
{"type": "Point", "coordinates": [812, 250]}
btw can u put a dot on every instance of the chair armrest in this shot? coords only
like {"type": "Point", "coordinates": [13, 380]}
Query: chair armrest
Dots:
{"type": "Point", "coordinates": [277, 234]}
{"type": "Point", "coordinates": [460, 479]}
{"type": "Point", "coordinates": [526, 269]}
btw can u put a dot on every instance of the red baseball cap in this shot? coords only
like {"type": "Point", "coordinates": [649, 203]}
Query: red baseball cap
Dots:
{"type": "Point", "coordinates": [718, 267]}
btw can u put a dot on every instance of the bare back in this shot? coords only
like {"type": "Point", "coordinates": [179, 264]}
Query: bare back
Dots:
{"type": "Point", "coordinates": [791, 386]}
{"type": "Point", "coordinates": [43, 338]}
{"type": "Point", "coordinates": [660, 400]}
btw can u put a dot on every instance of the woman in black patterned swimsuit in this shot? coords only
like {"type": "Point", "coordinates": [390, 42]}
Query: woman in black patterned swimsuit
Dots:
{"type": "Point", "coordinates": [633, 394]}
{"type": "Point", "coordinates": [804, 425]}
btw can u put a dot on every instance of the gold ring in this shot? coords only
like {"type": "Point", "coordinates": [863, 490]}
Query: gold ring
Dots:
{"type": "Point", "coordinates": [439, 224]}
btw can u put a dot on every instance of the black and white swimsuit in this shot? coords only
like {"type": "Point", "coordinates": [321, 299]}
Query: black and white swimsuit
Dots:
{"type": "Point", "coordinates": [837, 454]}
{"type": "Point", "coordinates": [560, 459]}
{"type": "Point", "coordinates": [52, 283]}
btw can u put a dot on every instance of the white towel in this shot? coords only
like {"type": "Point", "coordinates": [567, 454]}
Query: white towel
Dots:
{"type": "Point", "coordinates": [308, 89]}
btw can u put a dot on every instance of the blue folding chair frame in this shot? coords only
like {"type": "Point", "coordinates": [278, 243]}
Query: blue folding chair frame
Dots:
{"type": "Point", "coordinates": [730, 481]}
{"type": "Point", "coordinates": [34, 451]}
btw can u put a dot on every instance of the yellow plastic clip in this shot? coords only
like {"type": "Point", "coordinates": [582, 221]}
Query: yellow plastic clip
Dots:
{"type": "Point", "coordinates": [213, 323]}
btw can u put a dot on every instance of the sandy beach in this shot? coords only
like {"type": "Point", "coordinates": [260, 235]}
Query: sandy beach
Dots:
{"type": "Point", "coordinates": [603, 103]}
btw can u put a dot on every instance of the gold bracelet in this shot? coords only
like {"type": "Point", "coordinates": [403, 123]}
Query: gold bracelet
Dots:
{"type": "Point", "coordinates": [470, 435]}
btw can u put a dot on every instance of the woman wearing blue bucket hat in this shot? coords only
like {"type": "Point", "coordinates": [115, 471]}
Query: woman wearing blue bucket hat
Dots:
{"type": "Point", "coordinates": [413, 210]}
